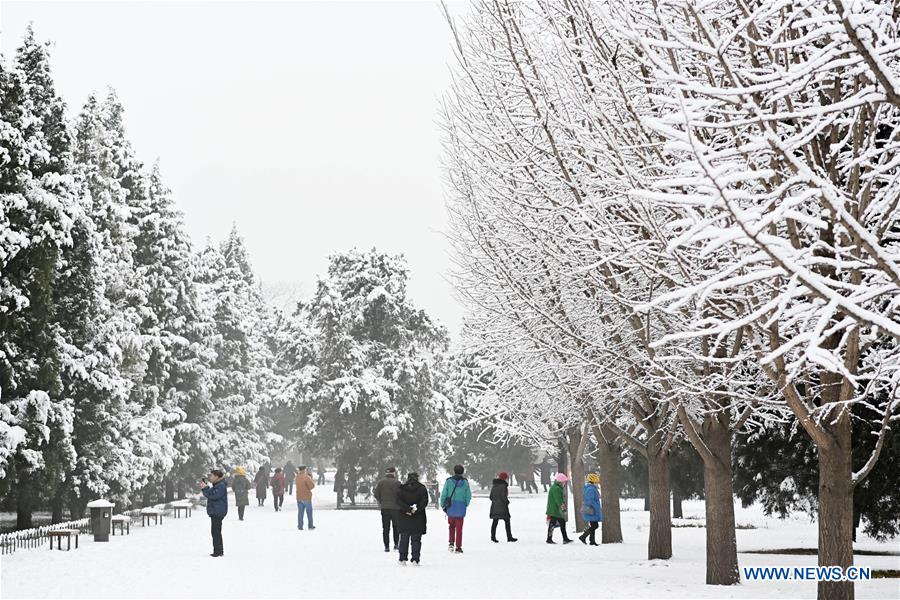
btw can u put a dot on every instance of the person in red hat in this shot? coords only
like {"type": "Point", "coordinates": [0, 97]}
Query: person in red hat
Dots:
{"type": "Point", "coordinates": [500, 506]}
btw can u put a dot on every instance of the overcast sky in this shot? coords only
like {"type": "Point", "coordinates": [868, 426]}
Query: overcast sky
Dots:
{"type": "Point", "coordinates": [312, 125]}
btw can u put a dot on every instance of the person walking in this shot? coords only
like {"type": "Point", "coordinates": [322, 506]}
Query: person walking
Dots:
{"type": "Point", "coordinates": [278, 484]}
{"type": "Point", "coordinates": [455, 499]}
{"type": "Point", "coordinates": [241, 486]}
{"type": "Point", "coordinates": [339, 485]}
{"type": "Point", "coordinates": [385, 494]}
{"type": "Point", "coordinates": [305, 486]}
{"type": "Point", "coordinates": [591, 509]}
{"type": "Point", "coordinates": [320, 471]}
{"type": "Point", "coordinates": [556, 509]}
{"type": "Point", "coordinates": [545, 474]}
{"type": "Point", "coordinates": [215, 488]}
{"type": "Point", "coordinates": [262, 483]}
{"type": "Point", "coordinates": [530, 485]}
{"type": "Point", "coordinates": [352, 484]}
{"type": "Point", "coordinates": [500, 507]}
{"type": "Point", "coordinates": [290, 471]}
{"type": "Point", "coordinates": [412, 498]}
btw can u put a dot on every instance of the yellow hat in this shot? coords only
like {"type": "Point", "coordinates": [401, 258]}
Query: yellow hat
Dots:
{"type": "Point", "coordinates": [240, 471]}
{"type": "Point", "coordinates": [593, 478]}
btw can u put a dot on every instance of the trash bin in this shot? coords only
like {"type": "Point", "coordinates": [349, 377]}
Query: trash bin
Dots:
{"type": "Point", "coordinates": [101, 519]}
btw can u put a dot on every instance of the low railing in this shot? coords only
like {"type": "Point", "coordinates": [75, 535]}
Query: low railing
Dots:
{"type": "Point", "coordinates": [37, 537]}
{"type": "Point", "coordinates": [34, 538]}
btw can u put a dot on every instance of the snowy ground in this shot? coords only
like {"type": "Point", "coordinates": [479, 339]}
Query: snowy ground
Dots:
{"type": "Point", "coordinates": [267, 557]}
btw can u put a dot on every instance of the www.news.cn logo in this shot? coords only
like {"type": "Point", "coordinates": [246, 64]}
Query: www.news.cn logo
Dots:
{"type": "Point", "coordinates": [807, 573]}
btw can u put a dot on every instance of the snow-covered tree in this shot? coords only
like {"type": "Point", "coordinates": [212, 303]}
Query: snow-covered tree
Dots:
{"type": "Point", "coordinates": [362, 369]}
{"type": "Point", "coordinates": [37, 208]}
{"type": "Point", "coordinates": [232, 425]}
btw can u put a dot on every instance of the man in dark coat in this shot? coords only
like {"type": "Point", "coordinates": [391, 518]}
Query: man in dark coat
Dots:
{"type": "Point", "coordinates": [262, 484]}
{"type": "Point", "coordinates": [352, 483]}
{"type": "Point", "coordinates": [545, 474]}
{"type": "Point", "coordinates": [412, 498]}
{"type": "Point", "coordinates": [500, 507]}
{"type": "Point", "coordinates": [290, 471]}
{"type": "Point", "coordinates": [216, 491]}
{"type": "Point", "coordinates": [385, 494]}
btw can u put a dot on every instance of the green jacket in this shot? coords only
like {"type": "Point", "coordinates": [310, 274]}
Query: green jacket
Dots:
{"type": "Point", "coordinates": [556, 506]}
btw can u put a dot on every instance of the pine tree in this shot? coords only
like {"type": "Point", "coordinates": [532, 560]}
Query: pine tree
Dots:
{"type": "Point", "coordinates": [232, 426]}
{"type": "Point", "coordinates": [170, 332]}
{"type": "Point", "coordinates": [363, 379]}
{"type": "Point", "coordinates": [123, 435]}
{"type": "Point", "coordinates": [36, 211]}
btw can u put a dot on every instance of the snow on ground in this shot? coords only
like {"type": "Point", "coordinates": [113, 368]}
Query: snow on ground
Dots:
{"type": "Point", "coordinates": [267, 557]}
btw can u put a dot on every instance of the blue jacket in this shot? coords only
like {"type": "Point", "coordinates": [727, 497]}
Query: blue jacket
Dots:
{"type": "Point", "coordinates": [457, 489]}
{"type": "Point", "coordinates": [216, 499]}
{"type": "Point", "coordinates": [592, 500]}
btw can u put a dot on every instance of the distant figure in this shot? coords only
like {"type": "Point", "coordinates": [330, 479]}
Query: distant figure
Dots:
{"type": "Point", "coordinates": [241, 487]}
{"type": "Point", "coordinates": [216, 491]}
{"type": "Point", "coordinates": [290, 471]}
{"type": "Point", "coordinates": [412, 497]}
{"type": "Point", "coordinates": [556, 509]}
{"type": "Point", "coordinates": [339, 485]}
{"type": "Point", "coordinates": [500, 507]}
{"type": "Point", "coordinates": [352, 483]}
{"type": "Point", "coordinates": [385, 494]}
{"type": "Point", "coordinates": [320, 471]}
{"type": "Point", "coordinates": [262, 483]}
{"type": "Point", "coordinates": [305, 486]}
{"type": "Point", "coordinates": [545, 474]}
{"type": "Point", "coordinates": [278, 484]}
{"type": "Point", "coordinates": [455, 498]}
{"type": "Point", "coordinates": [530, 485]}
{"type": "Point", "coordinates": [591, 509]}
{"type": "Point", "coordinates": [434, 489]}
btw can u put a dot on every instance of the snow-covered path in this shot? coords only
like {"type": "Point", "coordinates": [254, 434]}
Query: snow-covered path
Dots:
{"type": "Point", "coordinates": [267, 557]}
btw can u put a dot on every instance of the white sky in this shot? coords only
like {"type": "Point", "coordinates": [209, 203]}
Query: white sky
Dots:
{"type": "Point", "coordinates": [312, 125]}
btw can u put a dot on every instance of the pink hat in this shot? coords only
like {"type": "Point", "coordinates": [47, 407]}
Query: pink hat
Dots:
{"type": "Point", "coordinates": [561, 477]}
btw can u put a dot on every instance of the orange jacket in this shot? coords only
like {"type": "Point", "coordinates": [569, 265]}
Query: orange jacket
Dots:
{"type": "Point", "coordinates": [304, 485]}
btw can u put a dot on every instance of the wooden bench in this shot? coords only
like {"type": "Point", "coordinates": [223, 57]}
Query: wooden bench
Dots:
{"type": "Point", "coordinates": [59, 534]}
{"type": "Point", "coordinates": [123, 522]}
{"type": "Point", "coordinates": [179, 508]}
{"type": "Point", "coordinates": [147, 513]}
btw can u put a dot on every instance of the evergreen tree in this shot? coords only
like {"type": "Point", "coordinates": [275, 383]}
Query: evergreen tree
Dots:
{"type": "Point", "coordinates": [362, 369]}
{"type": "Point", "coordinates": [776, 464]}
{"type": "Point", "coordinates": [171, 335]}
{"type": "Point", "coordinates": [233, 428]}
{"type": "Point", "coordinates": [37, 208]}
{"type": "Point", "coordinates": [123, 435]}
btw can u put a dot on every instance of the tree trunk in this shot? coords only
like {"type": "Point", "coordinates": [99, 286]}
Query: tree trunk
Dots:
{"type": "Point", "coordinates": [647, 498]}
{"type": "Point", "coordinates": [836, 506]}
{"type": "Point", "coordinates": [660, 542]}
{"type": "Point", "coordinates": [24, 511]}
{"type": "Point", "coordinates": [170, 489]}
{"type": "Point", "coordinates": [56, 506]}
{"type": "Point", "coordinates": [576, 456]}
{"type": "Point", "coordinates": [677, 512]}
{"type": "Point", "coordinates": [610, 460]}
{"type": "Point", "coordinates": [561, 459]}
{"type": "Point", "coordinates": [721, 542]}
